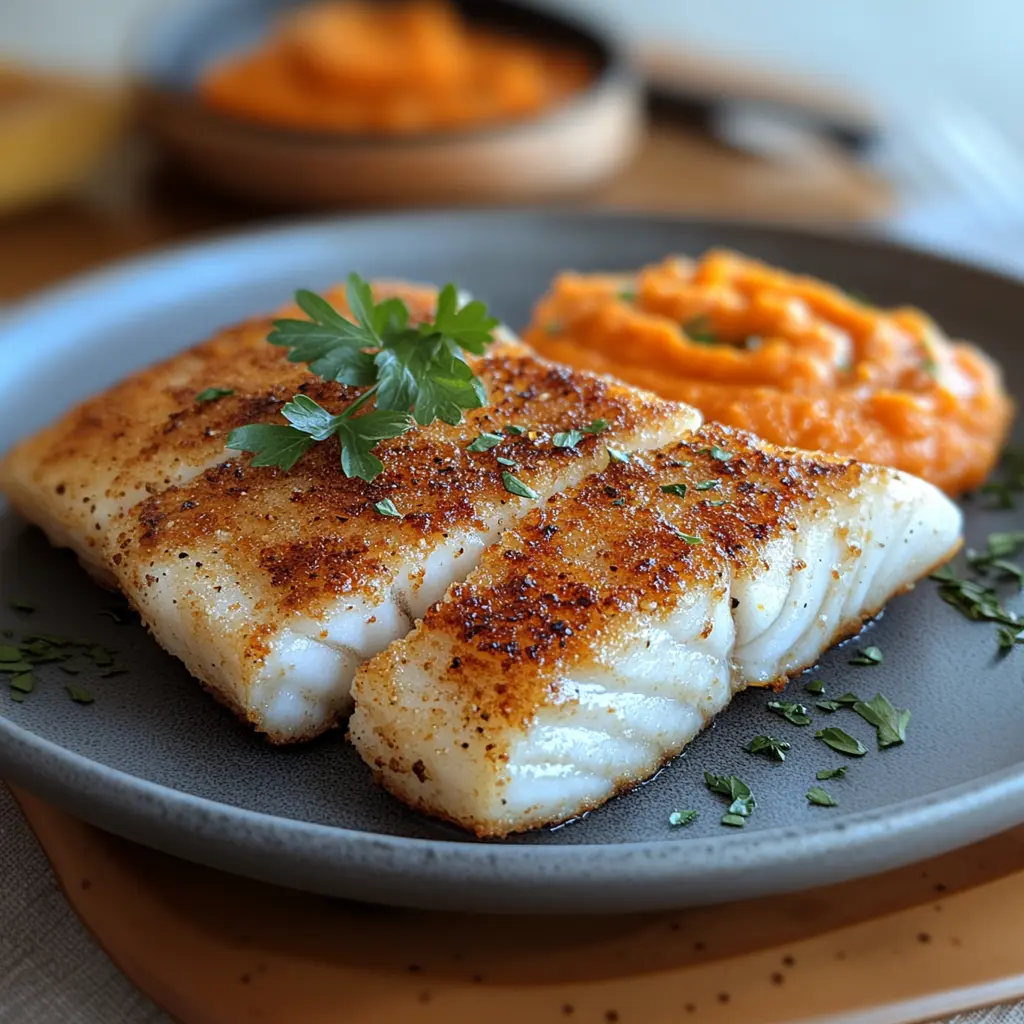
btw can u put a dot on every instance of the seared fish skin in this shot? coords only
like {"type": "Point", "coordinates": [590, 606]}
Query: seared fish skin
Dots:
{"type": "Point", "coordinates": [272, 587]}
{"type": "Point", "coordinates": [602, 633]}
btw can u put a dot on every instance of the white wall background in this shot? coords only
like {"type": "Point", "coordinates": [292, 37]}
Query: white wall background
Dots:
{"type": "Point", "coordinates": [908, 54]}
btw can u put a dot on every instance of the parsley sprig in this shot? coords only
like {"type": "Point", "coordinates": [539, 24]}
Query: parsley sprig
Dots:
{"type": "Point", "coordinates": [414, 374]}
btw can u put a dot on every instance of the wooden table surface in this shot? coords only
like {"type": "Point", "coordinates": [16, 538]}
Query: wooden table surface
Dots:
{"type": "Point", "coordinates": [135, 202]}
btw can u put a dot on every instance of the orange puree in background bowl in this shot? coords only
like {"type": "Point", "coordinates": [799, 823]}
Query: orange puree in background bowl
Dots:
{"type": "Point", "coordinates": [797, 361]}
{"type": "Point", "coordinates": [391, 68]}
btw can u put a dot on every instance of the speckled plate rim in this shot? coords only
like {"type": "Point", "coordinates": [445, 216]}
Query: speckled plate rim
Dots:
{"type": "Point", "coordinates": [498, 877]}
{"type": "Point", "coordinates": [417, 872]}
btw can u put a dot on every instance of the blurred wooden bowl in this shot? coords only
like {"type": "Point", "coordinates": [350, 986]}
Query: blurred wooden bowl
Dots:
{"type": "Point", "coordinates": [572, 147]}
{"type": "Point", "coordinates": [54, 130]}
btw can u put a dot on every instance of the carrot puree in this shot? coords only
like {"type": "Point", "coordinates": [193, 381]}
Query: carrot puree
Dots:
{"type": "Point", "coordinates": [794, 360]}
{"type": "Point", "coordinates": [391, 68]}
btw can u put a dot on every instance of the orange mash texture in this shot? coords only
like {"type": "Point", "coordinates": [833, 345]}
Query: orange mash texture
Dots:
{"type": "Point", "coordinates": [795, 360]}
{"type": "Point", "coordinates": [390, 68]}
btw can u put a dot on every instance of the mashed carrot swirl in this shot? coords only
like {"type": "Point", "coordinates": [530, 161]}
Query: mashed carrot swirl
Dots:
{"type": "Point", "coordinates": [795, 360]}
{"type": "Point", "coordinates": [390, 68]}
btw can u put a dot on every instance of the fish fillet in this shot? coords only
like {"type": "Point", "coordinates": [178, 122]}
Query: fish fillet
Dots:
{"type": "Point", "coordinates": [273, 587]}
{"type": "Point", "coordinates": [147, 432]}
{"type": "Point", "coordinates": [601, 634]}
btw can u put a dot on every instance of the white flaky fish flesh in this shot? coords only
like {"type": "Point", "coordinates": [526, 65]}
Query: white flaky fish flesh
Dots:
{"type": "Point", "coordinates": [606, 629]}
{"type": "Point", "coordinates": [273, 587]}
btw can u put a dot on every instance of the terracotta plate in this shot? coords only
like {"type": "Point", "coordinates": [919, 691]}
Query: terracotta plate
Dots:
{"type": "Point", "coordinates": [155, 760]}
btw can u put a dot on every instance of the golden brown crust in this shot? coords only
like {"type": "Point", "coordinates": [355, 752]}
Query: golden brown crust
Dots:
{"type": "Point", "coordinates": [540, 595]}
{"type": "Point", "coordinates": [490, 690]}
{"type": "Point", "coordinates": [392, 774]}
{"type": "Point", "coordinates": [223, 560]}
{"type": "Point", "coordinates": [146, 432]}
{"type": "Point", "coordinates": [314, 534]}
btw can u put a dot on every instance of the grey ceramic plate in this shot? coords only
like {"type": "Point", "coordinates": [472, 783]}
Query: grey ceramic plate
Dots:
{"type": "Point", "coordinates": [156, 760]}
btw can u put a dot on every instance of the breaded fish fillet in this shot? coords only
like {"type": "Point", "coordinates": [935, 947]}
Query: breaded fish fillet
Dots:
{"type": "Point", "coordinates": [272, 587]}
{"type": "Point", "coordinates": [601, 634]}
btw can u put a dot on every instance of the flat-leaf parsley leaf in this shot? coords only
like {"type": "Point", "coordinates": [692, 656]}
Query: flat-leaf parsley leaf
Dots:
{"type": "Point", "coordinates": [413, 374]}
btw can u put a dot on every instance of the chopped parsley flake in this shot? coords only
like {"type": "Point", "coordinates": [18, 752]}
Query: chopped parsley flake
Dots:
{"type": "Point", "coordinates": [842, 741]}
{"type": "Point", "coordinates": [485, 442]}
{"type": "Point", "coordinates": [679, 818]}
{"type": "Point", "coordinates": [819, 798]}
{"type": "Point", "coordinates": [387, 508]}
{"type": "Point", "coordinates": [772, 748]}
{"type": "Point", "coordinates": [791, 711]}
{"type": "Point", "coordinates": [212, 394]}
{"type": "Point", "coordinates": [1009, 637]}
{"type": "Point", "coordinates": [889, 722]}
{"type": "Point", "coordinates": [742, 800]}
{"type": "Point", "coordinates": [700, 330]}
{"type": "Point", "coordinates": [567, 439]}
{"type": "Point", "coordinates": [867, 656]}
{"type": "Point", "coordinates": [517, 487]}
{"type": "Point", "coordinates": [1002, 492]}
{"type": "Point", "coordinates": [23, 682]}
